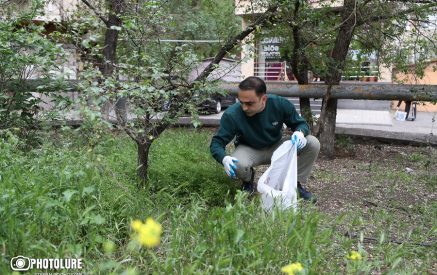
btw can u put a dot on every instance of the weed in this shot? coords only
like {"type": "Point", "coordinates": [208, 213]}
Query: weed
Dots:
{"type": "Point", "coordinates": [74, 199]}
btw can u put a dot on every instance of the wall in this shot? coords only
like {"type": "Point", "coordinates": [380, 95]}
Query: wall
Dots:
{"type": "Point", "coordinates": [430, 78]}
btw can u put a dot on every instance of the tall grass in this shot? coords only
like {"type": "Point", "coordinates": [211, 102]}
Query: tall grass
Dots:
{"type": "Point", "coordinates": [69, 199]}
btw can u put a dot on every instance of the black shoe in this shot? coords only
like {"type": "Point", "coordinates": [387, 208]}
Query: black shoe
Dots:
{"type": "Point", "coordinates": [249, 186]}
{"type": "Point", "coordinates": [304, 194]}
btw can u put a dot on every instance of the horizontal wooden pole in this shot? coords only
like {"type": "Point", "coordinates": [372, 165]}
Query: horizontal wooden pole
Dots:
{"type": "Point", "coordinates": [346, 90]}
{"type": "Point", "coordinates": [369, 91]}
{"type": "Point", "coordinates": [39, 85]}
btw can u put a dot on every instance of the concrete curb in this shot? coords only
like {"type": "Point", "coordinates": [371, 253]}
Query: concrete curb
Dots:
{"type": "Point", "coordinates": [412, 132]}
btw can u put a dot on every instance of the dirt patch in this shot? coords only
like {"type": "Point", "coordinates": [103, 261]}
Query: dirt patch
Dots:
{"type": "Point", "coordinates": [369, 175]}
{"type": "Point", "coordinates": [378, 186]}
{"type": "Point", "coordinates": [379, 193]}
{"type": "Point", "coordinates": [377, 176]}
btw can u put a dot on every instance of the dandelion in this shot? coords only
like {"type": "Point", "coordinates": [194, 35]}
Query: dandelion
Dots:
{"type": "Point", "coordinates": [292, 269]}
{"type": "Point", "coordinates": [354, 256]}
{"type": "Point", "coordinates": [136, 225]}
{"type": "Point", "coordinates": [148, 234]}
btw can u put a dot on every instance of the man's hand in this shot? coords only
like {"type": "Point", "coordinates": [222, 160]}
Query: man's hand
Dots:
{"type": "Point", "coordinates": [230, 167]}
{"type": "Point", "coordinates": [299, 140]}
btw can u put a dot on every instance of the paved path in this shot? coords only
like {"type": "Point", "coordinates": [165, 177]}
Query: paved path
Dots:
{"type": "Point", "coordinates": [378, 124]}
{"type": "Point", "coordinates": [423, 129]}
{"type": "Point", "coordinates": [364, 123]}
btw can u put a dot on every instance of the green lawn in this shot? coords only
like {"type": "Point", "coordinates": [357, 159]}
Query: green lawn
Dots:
{"type": "Point", "coordinates": [67, 199]}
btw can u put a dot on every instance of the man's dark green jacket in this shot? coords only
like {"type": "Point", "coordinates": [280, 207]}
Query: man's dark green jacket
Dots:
{"type": "Point", "coordinates": [259, 131]}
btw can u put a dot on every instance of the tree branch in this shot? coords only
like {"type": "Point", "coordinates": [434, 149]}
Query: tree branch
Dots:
{"type": "Point", "coordinates": [96, 12]}
{"type": "Point", "coordinates": [377, 18]}
{"type": "Point", "coordinates": [417, 28]}
{"type": "Point", "coordinates": [262, 20]}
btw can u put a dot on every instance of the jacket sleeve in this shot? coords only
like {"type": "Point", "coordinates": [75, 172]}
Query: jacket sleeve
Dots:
{"type": "Point", "coordinates": [224, 135]}
{"type": "Point", "coordinates": [292, 118]}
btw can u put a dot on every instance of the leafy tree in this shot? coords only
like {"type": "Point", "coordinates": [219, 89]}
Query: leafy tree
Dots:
{"type": "Point", "coordinates": [319, 38]}
{"type": "Point", "coordinates": [26, 52]}
{"type": "Point", "coordinates": [203, 20]}
{"type": "Point", "coordinates": [141, 71]}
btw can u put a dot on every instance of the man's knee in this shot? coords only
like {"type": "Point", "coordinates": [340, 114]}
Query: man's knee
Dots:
{"type": "Point", "coordinates": [243, 167]}
{"type": "Point", "coordinates": [243, 170]}
{"type": "Point", "coordinates": [313, 144]}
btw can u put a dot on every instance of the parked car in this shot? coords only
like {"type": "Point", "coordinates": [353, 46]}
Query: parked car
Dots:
{"type": "Point", "coordinates": [229, 70]}
{"type": "Point", "coordinates": [217, 103]}
{"type": "Point", "coordinates": [213, 105]}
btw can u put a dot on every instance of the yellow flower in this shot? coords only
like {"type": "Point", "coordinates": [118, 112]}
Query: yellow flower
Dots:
{"type": "Point", "coordinates": [354, 256]}
{"type": "Point", "coordinates": [136, 225]}
{"type": "Point", "coordinates": [147, 234]}
{"type": "Point", "coordinates": [292, 269]}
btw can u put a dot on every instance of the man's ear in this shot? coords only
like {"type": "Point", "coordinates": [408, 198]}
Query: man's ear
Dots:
{"type": "Point", "coordinates": [264, 98]}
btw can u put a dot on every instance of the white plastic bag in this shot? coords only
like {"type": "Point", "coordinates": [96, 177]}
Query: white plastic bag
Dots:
{"type": "Point", "coordinates": [400, 116]}
{"type": "Point", "coordinates": [278, 184]}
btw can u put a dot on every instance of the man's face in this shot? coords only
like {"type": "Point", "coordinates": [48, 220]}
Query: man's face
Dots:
{"type": "Point", "coordinates": [251, 103]}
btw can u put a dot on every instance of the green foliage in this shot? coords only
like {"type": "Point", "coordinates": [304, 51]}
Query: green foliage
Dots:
{"type": "Point", "coordinates": [68, 188]}
{"type": "Point", "coordinates": [148, 79]}
{"type": "Point", "coordinates": [152, 75]}
{"type": "Point", "coordinates": [25, 53]}
{"type": "Point", "coordinates": [344, 142]}
{"type": "Point", "coordinates": [203, 20]}
{"type": "Point", "coordinates": [181, 163]}
{"type": "Point", "coordinates": [398, 34]}
{"type": "Point", "coordinates": [314, 37]}
{"type": "Point", "coordinates": [69, 199]}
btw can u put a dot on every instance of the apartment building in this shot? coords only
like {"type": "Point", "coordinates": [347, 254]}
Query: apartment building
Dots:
{"type": "Point", "coordinates": [261, 57]}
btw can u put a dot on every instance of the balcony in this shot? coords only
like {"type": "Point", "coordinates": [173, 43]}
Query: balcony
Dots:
{"type": "Point", "coordinates": [273, 71]}
{"type": "Point", "coordinates": [279, 71]}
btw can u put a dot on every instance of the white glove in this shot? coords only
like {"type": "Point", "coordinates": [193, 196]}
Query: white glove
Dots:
{"type": "Point", "coordinates": [230, 167]}
{"type": "Point", "coordinates": [299, 140]}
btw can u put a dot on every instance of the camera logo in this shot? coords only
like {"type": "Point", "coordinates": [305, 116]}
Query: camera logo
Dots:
{"type": "Point", "coordinates": [20, 263]}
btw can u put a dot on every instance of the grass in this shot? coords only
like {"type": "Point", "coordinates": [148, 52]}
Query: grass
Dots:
{"type": "Point", "coordinates": [70, 198]}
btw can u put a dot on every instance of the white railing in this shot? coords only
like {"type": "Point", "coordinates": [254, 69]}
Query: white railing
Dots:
{"type": "Point", "coordinates": [272, 71]}
{"type": "Point", "coordinates": [362, 73]}
{"type": "Point", "coordinates": [278, 71]}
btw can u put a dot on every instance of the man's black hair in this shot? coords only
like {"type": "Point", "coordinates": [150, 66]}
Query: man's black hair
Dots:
{"type": "Point", "coordinates": [253, 83]}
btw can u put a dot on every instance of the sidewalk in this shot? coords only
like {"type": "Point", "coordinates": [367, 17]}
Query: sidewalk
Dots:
{"type": "Point", "coordinates": [422, 130]}
{"type": "Point", "coordinates": [378, 124]}
{"type": "Point", "coordinates": [362, 123]}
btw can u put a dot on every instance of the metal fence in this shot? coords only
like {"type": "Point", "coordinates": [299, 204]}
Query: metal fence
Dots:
{"type": "Point", "coordinates": [279, 71]}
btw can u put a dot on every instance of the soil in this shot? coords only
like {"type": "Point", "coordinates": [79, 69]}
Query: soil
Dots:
{"type": "Point", "coordinates": [378, 186]}
{"type": "Point", "coordinates": [379, 189]}
{"type": "Point", "coordinates": [371, 174]}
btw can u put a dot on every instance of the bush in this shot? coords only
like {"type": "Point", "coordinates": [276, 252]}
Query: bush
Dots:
{"type": "Point", "coordinates": [27, 53]}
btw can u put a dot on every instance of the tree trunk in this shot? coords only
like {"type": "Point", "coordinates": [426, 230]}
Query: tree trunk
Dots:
{"type": "Point", "coordinates": [121, 110]}
{"type": "Point", "coordinates": [143, 160]}
{"type": "Point", "coordinates": [305, 110]}
{"type": "Point", "coordinates": [327, 133]}
{"type": "Point", "coordinates": [300, 66]}
{"type": "Point", "coordinates": [110, 50]}
{"type": "Point", "coordinates": [326, 128]}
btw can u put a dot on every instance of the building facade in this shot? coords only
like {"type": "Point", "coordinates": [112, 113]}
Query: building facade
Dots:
{"type": "Point", "coordinates": [261, 57]}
